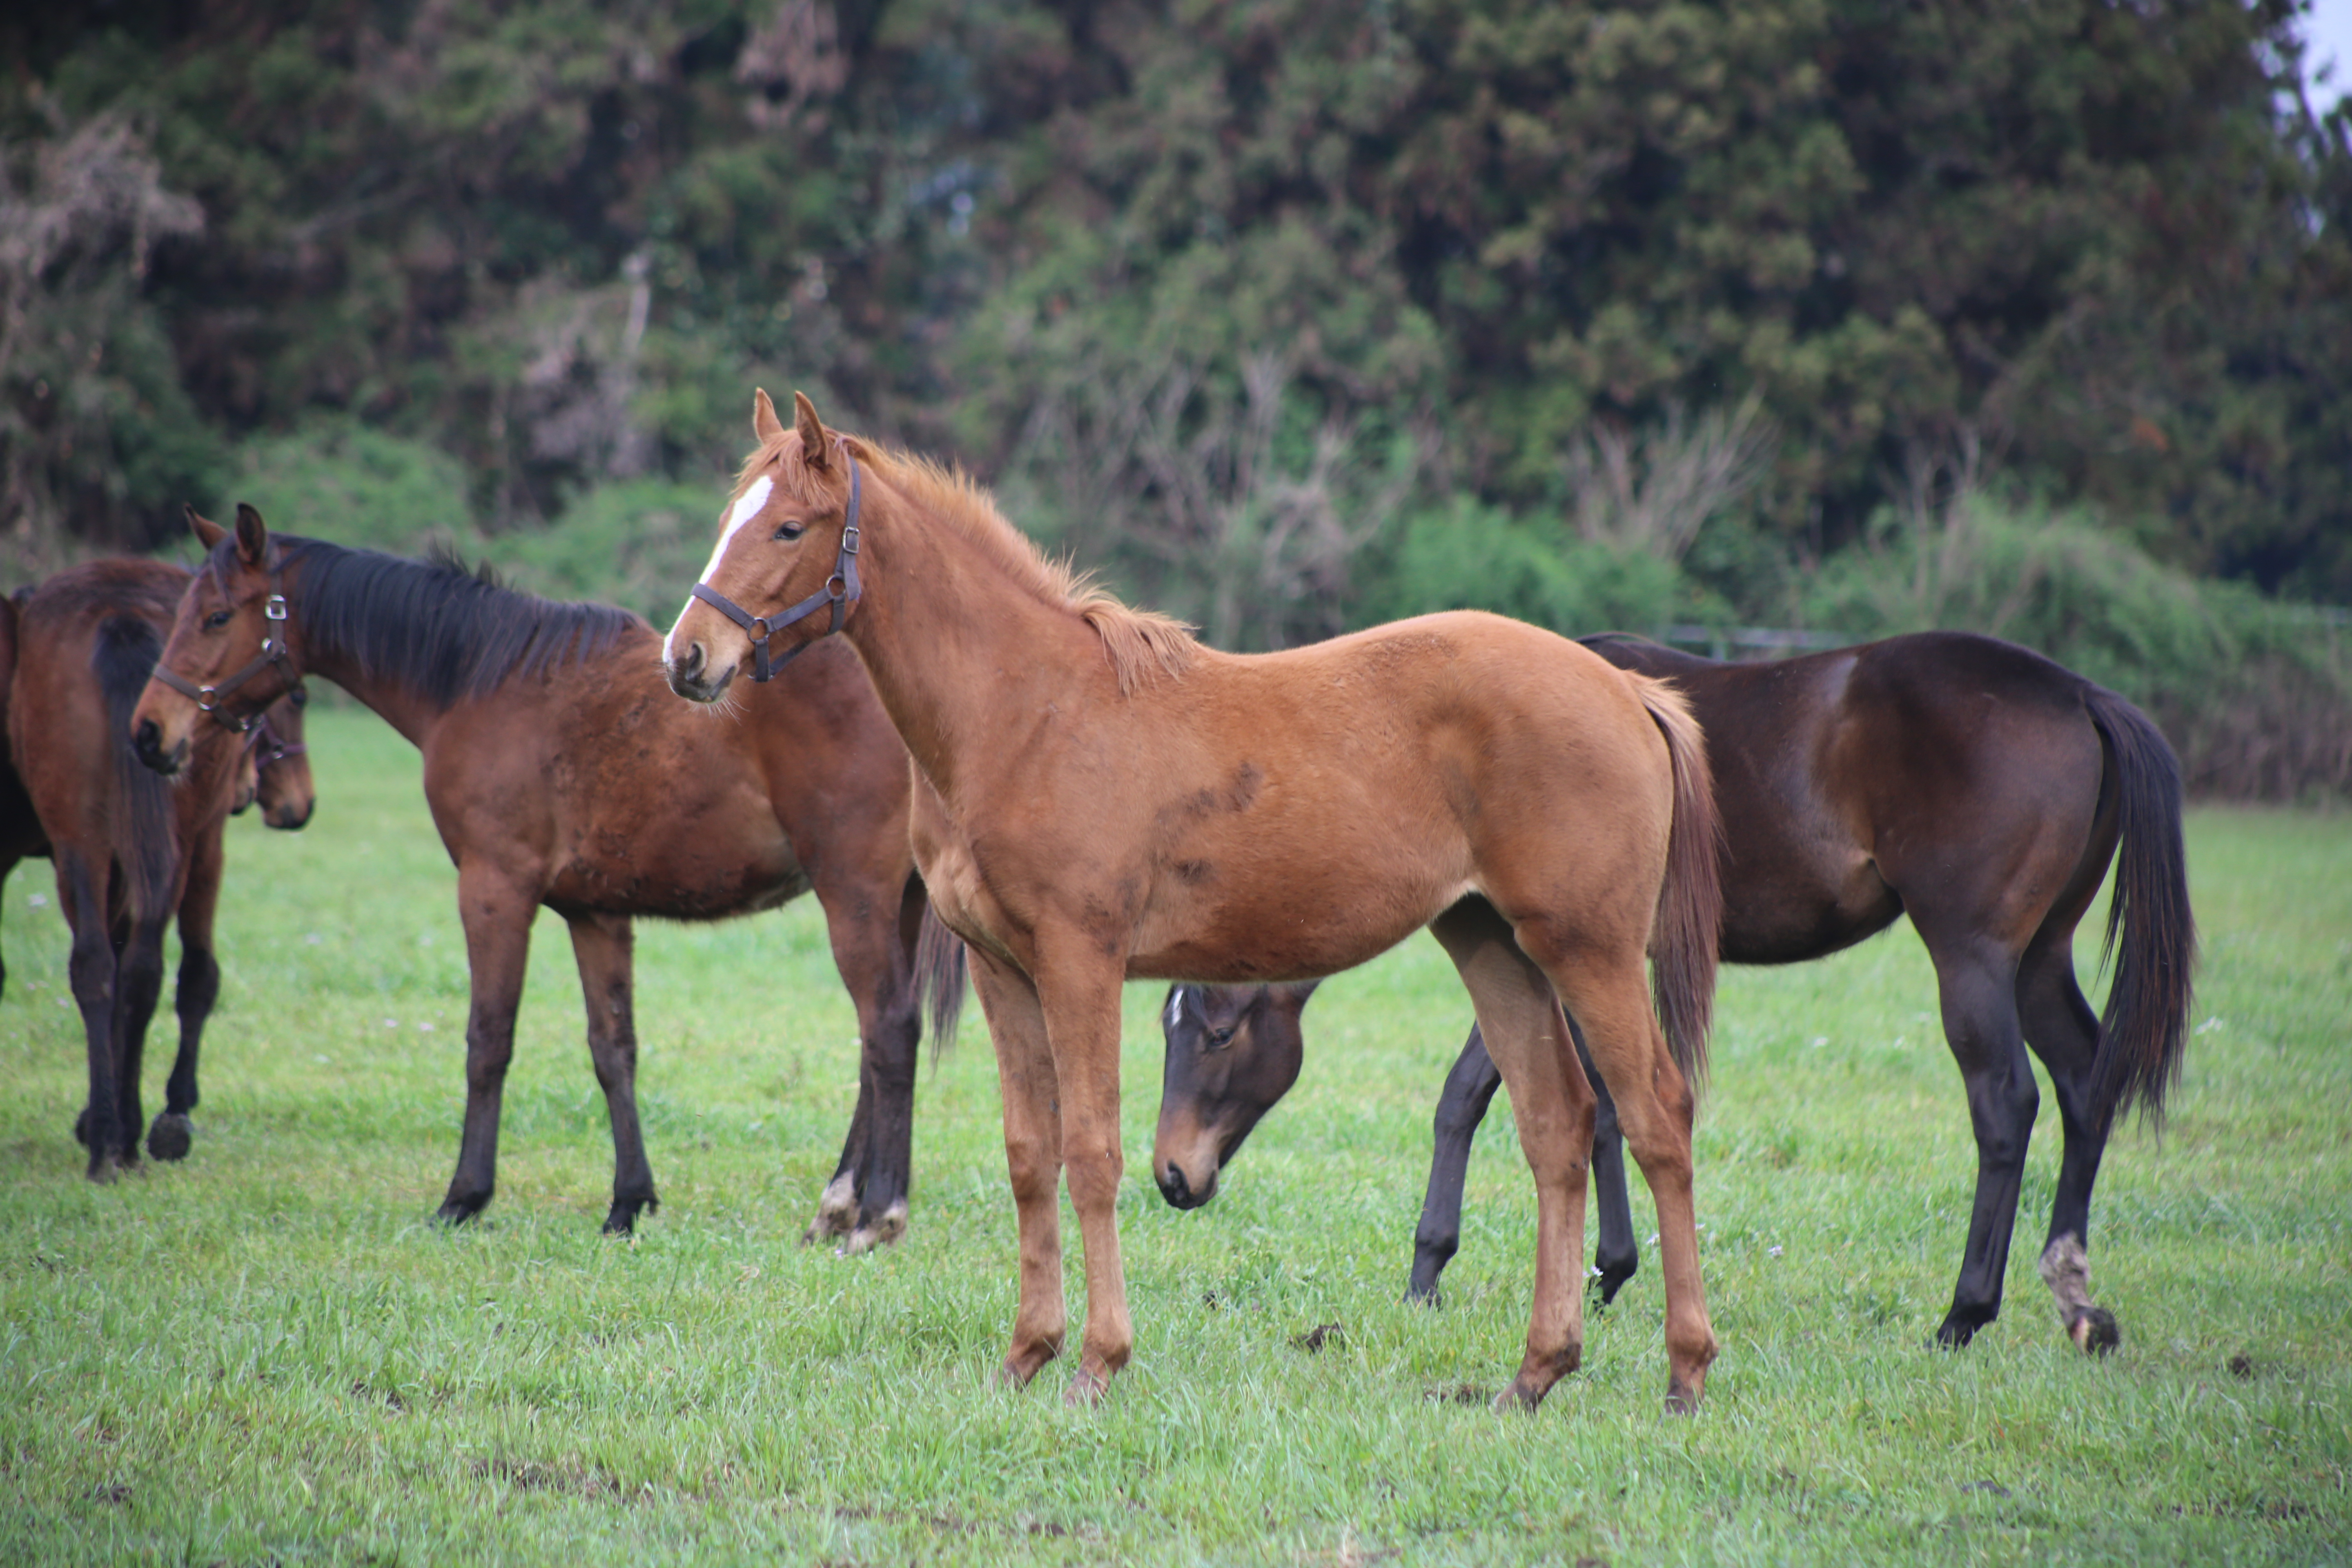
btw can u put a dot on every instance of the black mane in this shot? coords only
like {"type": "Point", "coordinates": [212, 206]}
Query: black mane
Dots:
{"type": "Point", "coordinates": [443, 631]}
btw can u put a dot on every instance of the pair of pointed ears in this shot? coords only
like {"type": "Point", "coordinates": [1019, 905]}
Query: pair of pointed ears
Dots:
{"type": "Point", "coordinates": [815, 451]}
{"type": "Point", "coordinates": [252, 533]}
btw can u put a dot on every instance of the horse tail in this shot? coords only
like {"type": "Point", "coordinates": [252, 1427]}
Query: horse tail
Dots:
{"type": "Point", "coordinates": [940, 972]}
{"type": "Point", "coordinates": [2151, 934]}
{"type": "Point", "coordinates": [122, 659]}
{"type": "Point", "coordinates": [1689, 927]}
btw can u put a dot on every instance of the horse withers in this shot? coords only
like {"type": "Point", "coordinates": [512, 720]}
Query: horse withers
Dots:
{"type": "Point", "coordinates": [131, 851]}
{"type": "Point", "coordinates": [560, 773]}
{"type": "Point", "coordinates": [1100, 798]}
{"type": "Point", "coordinates": [1972, 783]}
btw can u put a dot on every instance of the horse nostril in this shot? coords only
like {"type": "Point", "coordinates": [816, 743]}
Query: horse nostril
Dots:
{"type": "Point", "coordinates": [147, 739]}
{"type": "Point", "coordinates": [1174, 1187]}
{"type": "Point", "coordinates": [693, 664]}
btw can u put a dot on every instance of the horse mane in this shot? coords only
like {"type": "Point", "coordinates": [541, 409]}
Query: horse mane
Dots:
{"type": "Point", "coordinates": [442, 630]}
{"type": "Point", "coordinates": [1142, 644]}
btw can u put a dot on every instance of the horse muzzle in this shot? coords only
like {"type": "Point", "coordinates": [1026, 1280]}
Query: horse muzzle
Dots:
{"type": "Point", "coordinates": [1176, 1186]}
{"type": "Point", "coordinates": [147, 744]}
{"type": "Point", "coordinates": [690, 676]}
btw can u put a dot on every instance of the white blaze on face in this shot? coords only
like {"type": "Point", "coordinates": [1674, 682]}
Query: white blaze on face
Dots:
{"type": "Point", "coordinates": [747, 507]}
{"type": "Point", "coordinates": [1176, 1007]}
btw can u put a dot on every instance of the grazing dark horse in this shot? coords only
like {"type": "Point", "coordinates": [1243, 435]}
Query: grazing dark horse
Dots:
{"type": "Point", "coordinates": [1102, 798]}
{"type": "Point", "coordinates": [1967, 781]}
{"type": "Point", "coordinates": [561, 773]}
{"type": "Point", "coordinates": [129, 851]}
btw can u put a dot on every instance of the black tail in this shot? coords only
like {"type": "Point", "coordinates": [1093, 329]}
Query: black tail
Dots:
{"type": "Point", "coordinates": [2151, 935]}
{"type": "Point", "coordinates": [940, 965]}
{"type": "Point", "coordinates": [124, 656]}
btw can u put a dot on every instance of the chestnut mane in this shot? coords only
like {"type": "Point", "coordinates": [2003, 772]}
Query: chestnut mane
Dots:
{"type": "Point", "coordinates": [1142, 644]}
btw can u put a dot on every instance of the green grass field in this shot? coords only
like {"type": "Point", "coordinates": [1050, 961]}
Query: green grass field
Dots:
{"type": "Point", "coordinates": [266, 1353]}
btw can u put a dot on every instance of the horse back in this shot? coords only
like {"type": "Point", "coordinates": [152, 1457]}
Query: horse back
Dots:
{"type": "Point", "coordinates": [591, 785]}
{"type": "Point", "coordinates": [1857, 783]}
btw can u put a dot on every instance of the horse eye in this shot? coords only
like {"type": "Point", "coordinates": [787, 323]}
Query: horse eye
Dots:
{"type": "Point", "coordinates": [789, 530]}
{"type": "Point", "coordinates": [301, 697]}
{"type": "Point", "coordinates": [1220, 1038]}
{"type": "Point", "coordinates": [216, 620]}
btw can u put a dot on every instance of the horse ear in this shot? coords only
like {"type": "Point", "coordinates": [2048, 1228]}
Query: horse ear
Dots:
{"type": "Point", "coordinates": [765, 423]}
{"type": "Point", "coordinates": [813, 449]}
{"type": "Point", "coordinates": [252, 535]}
{"type": "Point", "coordinates": [208, 532]}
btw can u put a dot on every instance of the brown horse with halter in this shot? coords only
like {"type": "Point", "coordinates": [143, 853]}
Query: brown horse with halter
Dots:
{"type": "Point", "coordinates": [1968, 782]}
{"type": "Point", "coordinates": [560, 773]}
{"type": "Point", "coordinates": [1100, 798]}
{"type": "Point", "coordinates": [131, 852]}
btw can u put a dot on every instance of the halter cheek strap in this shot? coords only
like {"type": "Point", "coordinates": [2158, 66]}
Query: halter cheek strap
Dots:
{"type": "Point", "coordinates": [840, 591]}
{"type": "Point", "coordinates": [208, 698]}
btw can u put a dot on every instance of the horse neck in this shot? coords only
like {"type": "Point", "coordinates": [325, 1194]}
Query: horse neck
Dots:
{"type": "Point", "coordinates": [964, 656]}
{"type": "Point", "coordinates": [388, 699]}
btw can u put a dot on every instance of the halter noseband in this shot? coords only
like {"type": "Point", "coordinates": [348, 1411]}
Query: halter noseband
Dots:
{"type": "Point", "coordinates": [208, 698]}
{"type": "Point", "coordinates": [840, 591]}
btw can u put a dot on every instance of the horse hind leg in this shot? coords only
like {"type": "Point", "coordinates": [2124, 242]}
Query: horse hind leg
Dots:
{"type": "Point", "coordinates": [2065, 1033]}
{"type": "Point", "coordinates": [603, 947]}
{"type": "Point", "coordinates": [1616, 1257]}
{"type": "Point", "coordinates": [90, 971]}
{"type": "Point", "coordinates": [864, 1203]}
{"type": "Point", "coordinates": [1977, 982]}
{"type": "Point", "coordinates": [1527, 1035]}
{"type": "Point", "coordinates": [138, 986]}
{"type": "Point", "coordinates": [1607, 993]}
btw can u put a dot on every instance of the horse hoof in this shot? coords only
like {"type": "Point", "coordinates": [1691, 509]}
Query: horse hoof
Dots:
{"type": "Point", "coordinates": [170, 1136]}
{"type": "Point", "coordinates": [1519, 1396]}
{"type": "Point", "coordinates": [881, 1232]}
{"type": "Point", "coordinates": [1085, 1390]}
{"type": "Point", "coordinates": [2094, 1331]}
{"type": "Point", "coordinates": [837, 1212]}
{"type": "Point", "coordinates": [452, 1213]}
{"type": "Point", "coordinates": [1681, 1399]}
{"type": "Point", "coordinates": [1432, 1297]}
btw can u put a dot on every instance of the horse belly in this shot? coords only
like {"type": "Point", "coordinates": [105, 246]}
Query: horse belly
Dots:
{"type": "Point", "coordinates": [623, 873]}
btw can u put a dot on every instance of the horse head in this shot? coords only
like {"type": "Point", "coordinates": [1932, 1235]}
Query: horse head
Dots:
{"type": "Point", "coordinates": [229, 656]}
{"type": "Point", "coordinates": [788, 550]}
{"type": "Point", "coordinates": [1233, 1052]}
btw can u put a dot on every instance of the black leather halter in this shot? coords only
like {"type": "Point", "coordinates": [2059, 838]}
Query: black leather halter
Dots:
{"type": "Point", "coordinates": [840, 591]}
{"type": "Point", "coordinates": [269, 748]}
{"type": "Point", "coordinates": [273, 651]}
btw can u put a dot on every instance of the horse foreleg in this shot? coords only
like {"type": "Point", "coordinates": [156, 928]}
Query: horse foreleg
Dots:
{"type": "Point", "coordinates": [1469, 1089]}
{"type": "Point", "coordinates": [1615, 1254]}
{"type": "Point", "coordinates": [1033, 1158]}
{"type": "Point", "coordinates": [1525, 1032]}
{"type": "Point", "coordinates": [1979, 1005]}
{"type": "Point", "coordinates": [2065, 1033]}
{"type": "Point", "coordinates": [1078, 993]}
{"type": "Point", "coordinates": [602, 946]}
{"type": "Point", "coordinates": [874, 949]}
{"type": "Point", "coordinates": [497, 946]}
{"type": "Point", "coordinates": [193, 996]}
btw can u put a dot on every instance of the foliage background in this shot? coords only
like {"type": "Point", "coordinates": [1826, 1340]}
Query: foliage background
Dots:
{"type": "Point", "coordinates": [1286, 315]}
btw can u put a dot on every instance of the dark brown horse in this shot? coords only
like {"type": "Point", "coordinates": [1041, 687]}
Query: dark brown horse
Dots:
{"type": "Point", "coordinates": [561, 773]}
{"type": "Point", "coordinates": [131, 852]}
{"type": "Point", "coordinates": [1101, 797]}
{"type": "Point", "coordinates": [1970, 782]}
